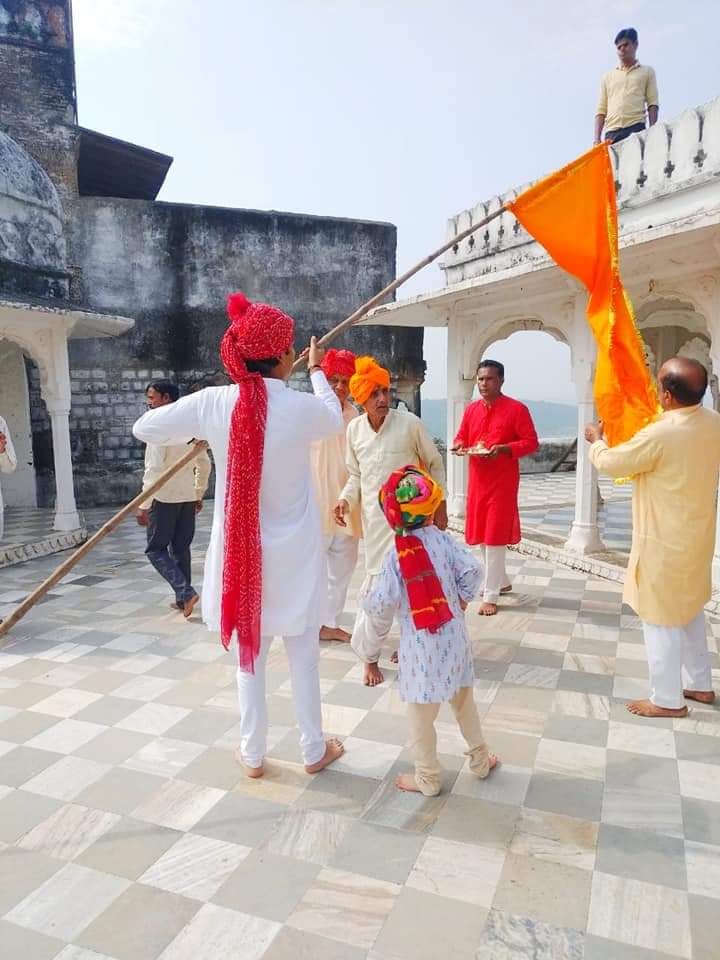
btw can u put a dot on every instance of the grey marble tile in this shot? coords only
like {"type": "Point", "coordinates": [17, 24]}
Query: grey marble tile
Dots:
{"type": "Point", "coordinates": [120, 790]}
{"type": "Point", "coordinates": [423, 926]}
{"type": "Point", "coordinates": [693, 746]}
{"type": "Point", "coordinates": [476, 821]}
{"type": "Point", "coordinates": [337, 792]}
{"type": "Point", "coordinates": [642, 855]}
{"type": "Point", "coordinates": [255, 888]}
{"type": "Point", "coordinates": [508, 937]}
{"type": "Point", "coordinates": [704, 927]}
{"type": "Point", "coordinates": [21, 764]}
{"type": "Point", "coordinates": [534, 888]}
{"type": "Point", "coordinates": [643, 772]}
{"type": "Point", "coordinates": [129, 848]}
{"type": "Point", "coordinates": [701, 819]}
{"type": "Point", "coordinates": [18, 942]}
{"type": "Point", "coordinates": [598, 948]}
{"type": "Point", "coordinates": [376, 851]}
{"type": "Point", "coordinates": [21, 871]}
{"type": "Point", "coordinates": [241, 819]}
{"type": "Point", "coordinates": [20, 812]}
{"type": "Point", "coordinates": [585, 730]}
{"type": "Point", "coordinates": [584, 682]}
{"type": "Point", "coordinates": [572, 796]}
{"type": "Point", "coordinates": [292, 944]}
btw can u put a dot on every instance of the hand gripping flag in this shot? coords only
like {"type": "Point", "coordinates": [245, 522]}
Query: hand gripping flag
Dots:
{"type": "Point", "coordinates": [573, 215]}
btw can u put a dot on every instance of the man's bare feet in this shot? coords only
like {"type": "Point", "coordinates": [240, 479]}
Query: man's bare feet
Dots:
{"type": "Point", "coordinates": [254, 773]}
{"type": "Point", "coordinates": [190, 606]}
{"type": "Point", "coordinates": [407, 783]}
{"type": "Point", "coordinates": [702, 696]}
{"type": "Point", "coordinates": [646, 708]}
{"type": "Point", "coordinates": [487, 609]}
{"type": "Point", "coordinates": [372, 675]}
{"type": "Point", "coordinates": [335, 633]}
{"type": "Point", "coordinates": [394, 657]}
{"type": "Point", "coordinates": [333, 751]}
{"type": "Point", "coordinates": [492, 763]}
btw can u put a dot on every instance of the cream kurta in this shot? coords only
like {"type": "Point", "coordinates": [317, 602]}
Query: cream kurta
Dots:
{"type": "Point", "coordinates": [371, 457]}
{"type": "Point", "coordinates": [330, 476]}
{"type": "Point", "coordinates": [674, 463]}
{"type": "Point", "coordinates": [294, 582]}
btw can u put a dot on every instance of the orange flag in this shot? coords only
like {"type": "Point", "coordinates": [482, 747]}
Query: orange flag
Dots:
{"type": "Point", "coordinates": [573, 214]}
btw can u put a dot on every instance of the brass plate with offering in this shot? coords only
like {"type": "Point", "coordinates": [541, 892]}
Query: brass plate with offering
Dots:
{"type": "Point", "coordinates": [477, 450]}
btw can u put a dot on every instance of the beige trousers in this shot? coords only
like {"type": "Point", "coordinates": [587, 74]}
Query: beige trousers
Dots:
{"type": "Point", "coordinates": [423, 743]}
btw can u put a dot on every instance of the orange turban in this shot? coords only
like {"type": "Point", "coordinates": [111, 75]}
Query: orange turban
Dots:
{"type": "Point", "coordinates": [368, 376]}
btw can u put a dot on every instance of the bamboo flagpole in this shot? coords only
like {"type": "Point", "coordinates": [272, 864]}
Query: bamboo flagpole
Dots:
{"type": "Point", "coordinates": [398, 282]}
{"type": "Point", "coordinates": [67, 565]}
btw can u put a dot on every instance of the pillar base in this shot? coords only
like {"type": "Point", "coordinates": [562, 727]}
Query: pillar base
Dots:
{"type": "Point", "coordinates": [67, 521]}
{"type": "Point", "coordinates": [584, 538]}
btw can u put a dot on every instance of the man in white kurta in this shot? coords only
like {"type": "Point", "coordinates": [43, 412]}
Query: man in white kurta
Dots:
{"type": "Point", "coordinates": [294, 578]}
{"type": "Point", "coordinates": [379, 441]}
{"type": "Point", "coordinates": [330, 475]}
{"type": "Point", "coordinates": [8, 462]}
{"type": "Point", "coordinates": [674, 464]}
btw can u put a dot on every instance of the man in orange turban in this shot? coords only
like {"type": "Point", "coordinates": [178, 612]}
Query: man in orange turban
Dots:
{"type": "Point", "coordinates": [379, 441]}
{"type": "Point", "coordinates": [330, 476]}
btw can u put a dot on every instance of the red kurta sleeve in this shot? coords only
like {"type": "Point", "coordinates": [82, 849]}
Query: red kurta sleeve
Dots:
{"type": "Point", "coordinates": [527, 441]}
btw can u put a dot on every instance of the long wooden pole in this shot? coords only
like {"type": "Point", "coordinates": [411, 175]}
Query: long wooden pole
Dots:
{"type": "Point", "coordinates": [67, 565]}
{"type": "Point", "coordinates": [111, 524]}
{"type": "Point", "coordinates": [391, 287]}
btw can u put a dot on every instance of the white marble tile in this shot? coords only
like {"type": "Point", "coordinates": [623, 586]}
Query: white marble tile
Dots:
{"type": "Point", "coordinates": [63, 676]}
{"type": "Point", "coordinates": [308, 835]}
{"type": "Point", "coordinates": [703, 869]}
{"type": "Point", "coordinates": [131, 642]}
{"type": "Point", "coordinates": [5, 745]}
{"type": "Point", "coordinates": [66, 778]}
{"type": "Point", "coordinates": [460, 871]}
{"type": "Point", "coordinates": [631, 651]}
{"type": "Point", "coordinates": [165, 756]}
{"type": "Point", "coordinates": [144, 688]}
{"type": "Point", "coordinates": [546, 641]}
{"type": "Point", "coordinates": [153, 718]}
{"type": "Point", "coordinates": [589, 663]}
{"type": "Point", "coordinates": [641, 914]}
{"type": "Point", "coordinates": [699, 780]}
{"type": "Point", "coordinates": [573, 703]}
{"type": "Point", "coordinates": [340, 720]}
{"type": "Point", "coordinates": [66, 736]}
{"type": "Point", "coordinates": [218, 932]}
{"type": "Point", "coordinates": [641, 738]}
{"type": "Point", "coordinates": [571, 759]}
{"type": "Point", "coordinates": [178, 804]}
{"type": "Point", "coordinates": [367, 758]}
{"type": "Point", "coordinates": [630, 688]}
{"type": "Point", "coordinates": [69, 831]}
{"type": "Point", "coordinates": [68, 902]}
{"type": "Point", "coordinates": [65, 703]}
{"type": "Point", "coordinates": [203, 652]}
{"type": "Point", "coordinates": [195, 866]}
{"type": "Point", "coordinates": [67, 652]}
{"type": "Point", "coordinates": [80, 953]}
{"type": "Point", "coordinates": [555, 838]}
{"type": "Point", "coordinates": [141, 663]}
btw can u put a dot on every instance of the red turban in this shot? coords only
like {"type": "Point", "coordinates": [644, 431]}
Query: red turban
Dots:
{"type": "Point", "coordinates": [369, 375]}
{"type": "Point", "coordinates": [338, 363]}
{"type": "Point", "coordinates": [256, 332]}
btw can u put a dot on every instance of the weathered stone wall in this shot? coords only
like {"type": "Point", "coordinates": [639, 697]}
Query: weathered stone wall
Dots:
{"type": "Point", "coordinates": [171, 266]}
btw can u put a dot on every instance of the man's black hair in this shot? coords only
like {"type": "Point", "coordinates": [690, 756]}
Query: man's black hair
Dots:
{"type": "Point", "coordinates": [165, 388]}
{"type": "Point", "coordinates": [495, 364]}
{"type": "Point", "coordinates": [679, 387]}
{"type": "Point", "coordinates": [629, 33]}
{"type": "Point", "coordinates": [263, 367]}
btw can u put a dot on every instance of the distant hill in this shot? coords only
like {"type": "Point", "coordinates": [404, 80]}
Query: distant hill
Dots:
{"type": "Point", "coordinates": [552, 420]}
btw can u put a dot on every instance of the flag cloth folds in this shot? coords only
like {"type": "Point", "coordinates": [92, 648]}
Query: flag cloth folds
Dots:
{"type": "Point", "coordinates": [573, 214]}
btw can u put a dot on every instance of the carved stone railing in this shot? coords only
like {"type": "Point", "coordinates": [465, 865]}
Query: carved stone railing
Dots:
{"type": "Point", "coordinates": [667, 158]}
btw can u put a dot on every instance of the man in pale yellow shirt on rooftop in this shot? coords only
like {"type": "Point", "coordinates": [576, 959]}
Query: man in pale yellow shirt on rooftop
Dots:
{"type": "Point", "coordinates": [625, 92]}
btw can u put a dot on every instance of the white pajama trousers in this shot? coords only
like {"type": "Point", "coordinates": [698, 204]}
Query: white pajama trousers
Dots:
{"type": "Point", "coordinates": [496, 578]}
{"type": "Point", "coordinates": [303, 653]}
{"type": "Point", "coordinates": [678, 660]}
{"type": "Point", "coordinates": [369, 633]}
{"type": "Point", "coordinates": [342, 554]}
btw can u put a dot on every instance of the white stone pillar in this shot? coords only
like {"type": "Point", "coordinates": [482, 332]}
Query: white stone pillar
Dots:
{"type": "Point", "coordinates": [66, 515]}
{"type": "Point", "coordinates": [584, 534]}
{"type": "Point", "coordinates": [714, 329]}
{"type": "Point", "coordinates": [459, 391]}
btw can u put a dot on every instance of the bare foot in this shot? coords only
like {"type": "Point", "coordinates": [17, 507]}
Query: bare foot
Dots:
{"type": "Point", "coordinates": [254, 773]}
{"type": "Point", "coordinates": [333, 751]}
{"type": "Point", "coordinates": [507, 589]}
{"type": "Point", "coordinates": [335, 633]}
{"type": "Point", "coordinates": [372, 675]}
{"type": "Point", "coordinates": [702, 696]}
{"type": "Point", "coordinates": [190, 606]}
{"type": "Point", "coordinates": [407, 783]}
{"type": "Point", "coordinates": [487, 609]}
{"type": "Point", "coordinates": [394, 657]}
{"type": "Point", "coordinates": [646, 708]}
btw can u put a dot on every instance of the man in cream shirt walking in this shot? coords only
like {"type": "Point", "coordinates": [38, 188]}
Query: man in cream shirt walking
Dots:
{"type": "Point", "coordinates": [674, 464]}
{"type": "Point", "coordinates": [170, 515]}
{"type": "Point", "coordinates": [8, 462]}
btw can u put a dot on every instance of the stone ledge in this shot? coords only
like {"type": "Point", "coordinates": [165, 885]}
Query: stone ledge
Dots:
{"type": "Point", "coordinates": [55, 543]}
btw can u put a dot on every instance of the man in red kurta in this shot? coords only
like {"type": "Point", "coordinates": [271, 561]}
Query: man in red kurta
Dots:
{"type": "Point", "coordinates": [503, 429]}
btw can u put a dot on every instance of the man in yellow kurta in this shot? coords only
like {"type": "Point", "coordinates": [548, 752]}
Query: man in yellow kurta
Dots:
{"type": "Point", "coordinates": [674, 463]}
{"type": "Point", "coordinates": [330, 476]}
{"type": "Point", "coordinates": [378, 442]}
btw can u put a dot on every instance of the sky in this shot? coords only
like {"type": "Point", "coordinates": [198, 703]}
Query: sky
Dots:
{"type": "Point", "coordinates": [405, 111]}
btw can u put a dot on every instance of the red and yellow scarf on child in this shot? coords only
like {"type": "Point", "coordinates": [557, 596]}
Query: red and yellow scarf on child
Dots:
{"type": "Point", "coordinates": [409, 499]}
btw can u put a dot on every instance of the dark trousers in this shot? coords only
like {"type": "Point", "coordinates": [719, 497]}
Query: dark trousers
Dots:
{"type": "Point", "coordinates": [622, 133]}
{"type": "Point", "coordinates": [169, 534]}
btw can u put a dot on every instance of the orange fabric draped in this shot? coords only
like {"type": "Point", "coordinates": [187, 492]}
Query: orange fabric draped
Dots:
{"type": "Point", "coordinates": [573, 214]}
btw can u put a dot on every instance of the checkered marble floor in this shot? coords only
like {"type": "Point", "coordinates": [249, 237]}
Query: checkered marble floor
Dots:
{"type": "Point", "coordinates": [128, 833]}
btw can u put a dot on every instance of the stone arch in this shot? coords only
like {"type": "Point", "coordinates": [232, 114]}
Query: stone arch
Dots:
{"type": "Point", "coordinates": [504, 328]}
